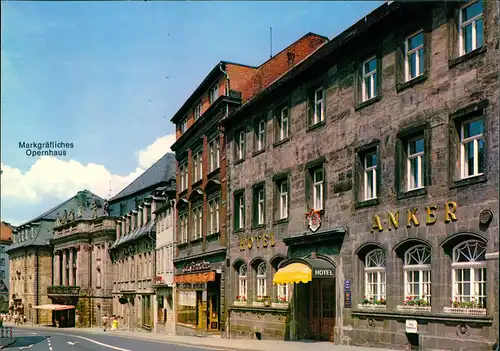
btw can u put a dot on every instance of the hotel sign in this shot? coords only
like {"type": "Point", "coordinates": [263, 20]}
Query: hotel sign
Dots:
{"type": "Point", "coordinates": [393, 219]}
{"type": "Point", "coordinates": [323, 273]}
{"type": "Point", "coordinates": [258, 241]}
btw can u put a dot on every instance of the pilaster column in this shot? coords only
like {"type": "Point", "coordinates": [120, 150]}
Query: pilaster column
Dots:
{"type": "Point", "coordinates": [153, 209]}
{"type": "Point", "coordinates": [118, 228]}
{"type": "Point", "coordinates": [64, 262]}
{"type": "Point", "coordinates": [57, 268]}
{"type": "Point", "coordinates": [77, 250]}
{"type": "Point", "coordinates": [71, 272]}
{"type": "Point", "coordinates": [140, 216]}
{"type": "Point", "coordinates": [123, 223]}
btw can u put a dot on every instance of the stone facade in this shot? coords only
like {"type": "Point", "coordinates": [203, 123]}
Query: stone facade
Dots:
{"type": "Point", "coordinates": [321, 155]}
{"type": "Point", "coordinates": [5, 241]}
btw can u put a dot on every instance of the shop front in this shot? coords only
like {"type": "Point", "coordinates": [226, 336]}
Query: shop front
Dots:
{"type": "Point", "coordinates": [198, 298]}
{"type": "Point", "coordinates": [164, 309]}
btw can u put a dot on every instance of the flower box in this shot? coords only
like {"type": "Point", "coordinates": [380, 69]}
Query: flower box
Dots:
{"type": "Point", "coordinates": [371, 307]}
{"type": "Point", "coordinates": [465, 310]}
{"type": "Point", "coordinates": [258, 304]}
{"type": "Point", "coordinates": [413, 308]}
{"type": "Point", "coordinates": [279, 305]}
{"type": "Point", "coordinates": [240, 303]}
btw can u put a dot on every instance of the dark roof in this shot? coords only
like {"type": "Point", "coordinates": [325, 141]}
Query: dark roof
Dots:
{"type": "Point", "coordinates": [162, 171]}
{"type": "Point", "coordinates": [45, 222]}
{"type": "Point", "coordinates": [148, 228]}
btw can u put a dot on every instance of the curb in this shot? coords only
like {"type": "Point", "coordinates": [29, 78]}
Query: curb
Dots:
{"type": "Point", "coordinates": [10, 344]}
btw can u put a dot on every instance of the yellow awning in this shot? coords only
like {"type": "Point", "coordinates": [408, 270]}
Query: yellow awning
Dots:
{"type": "Point", "coordinates": [293, 273]}
{"type": "Point", "coordinates": [52, 307]}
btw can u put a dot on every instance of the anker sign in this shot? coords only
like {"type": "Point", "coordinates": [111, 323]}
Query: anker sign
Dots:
{"type": "Point", "coordinates": [323, 273]}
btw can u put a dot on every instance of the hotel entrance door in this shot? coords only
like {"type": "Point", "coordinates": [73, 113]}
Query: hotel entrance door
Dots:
{"type": "Point", "coordinates": [322, 309]}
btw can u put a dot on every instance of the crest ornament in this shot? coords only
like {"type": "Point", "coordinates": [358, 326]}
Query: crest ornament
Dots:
{"type": "Point", "coordinates": [314, 219]}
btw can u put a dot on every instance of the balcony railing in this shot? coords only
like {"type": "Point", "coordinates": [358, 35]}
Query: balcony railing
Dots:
{"type": "Point", "coordinates": [63, 290]}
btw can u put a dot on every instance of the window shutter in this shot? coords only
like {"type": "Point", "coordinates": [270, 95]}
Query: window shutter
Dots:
{"type": "Point", "coordinates": [379, 74]}
{"type": "Point", "coordinates": [379, 170]}
{"type": "Point", "coordinates": [236, 212]}
{"type": "Point", "coordinates": [308, 189]}
{"type": "Point", "coordinates": [427, 156]}
{"type": "Point", "coordinates": [398, 184]}
{"type": "Point", "coordinates": [427, 50]}
{"type": "Point", "coordinates": [324, 186]}
{"type": "Point", "coordinates": [310, 102]}
{"type": "Point", "coordinates": [255, 212]}
{"type": "Point", "coordinates": [400, 63]}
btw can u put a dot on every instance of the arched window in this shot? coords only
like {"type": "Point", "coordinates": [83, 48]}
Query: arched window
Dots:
{"type": "Point", "coordinates": [242, 281]}
{"type": "Point", "coordinates": [417, 267]}
{"type": "Point", "coordinates": [261, 279]}
{"type": "Point", "coordinates": [375, 262]}
{"type": "Point", "coordinates": [469, 273]}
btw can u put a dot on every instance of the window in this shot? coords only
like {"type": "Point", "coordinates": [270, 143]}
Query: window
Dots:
{"type": "Point", "coordinates": [261, 279]}
{"type": "Point", "coordinates": [239, 145]}
{"type": "Point", "coordinates": [369, 85]}
{"type": "Point", "coordinates": [197, 167]}
{"type": "Point", "coordinates": [471, 27]}
{"type": "Point", "coordinates": [375, 275]}
{"type": "Point", "coordinates": [370, 175]}
{"type": "Point", "coordinates": [214, 93]}
{"type": "Point", "coordinates": [414, 56]}
{"type": "Point", "coordinates": [242, 281]}
{"type": "Point", "coordinates": [472, 148]}
{"type": "Point", "coordinates": [282, 124]}
{"type": "Point", "coordinates": [318, 113]}
{"type": "Point", "coordinates": [469, 272]}
{"type": "Point", "coordinates": [197, 111]}
{"type": "Point", "coordinates": [183, 125]}
{"type": "Point", "coordinates": [318, 188]}
{"type": "Point", "coordinates": [260, 136]}
{"type": "Point", "coordinates": [415, 163]}
{"type": "Point", "coordinates": [239, 211]}
{"type": "Point", "coordinates": [259, 205]}
{"type": "Point", "coordinates": [417, 268]}
{"type": "Point", "coordinates": [283, 199]}
{"type": "Point", "coordinates": [214, 149]}
{"type": "Point", "coordinates": [183, 228]}
{"type": "Point", "coordinates": [183, 176]}
{"type": "Point", "coordinates": [213, 218]}
{"type": "Point", "coordinates": [282, 292]}
{"type": "Point", "coordinates": [198, 222]}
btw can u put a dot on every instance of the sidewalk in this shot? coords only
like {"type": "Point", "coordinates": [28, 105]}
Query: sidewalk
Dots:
{"type": "Point", "coordinates": [217, 342]}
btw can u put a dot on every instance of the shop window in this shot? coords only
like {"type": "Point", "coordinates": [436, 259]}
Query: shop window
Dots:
{"type": "Point", "coordinates": [471, 27]}
{"type": "Point", "coordinates": [242, 283]}
{"type": "Point", "coordinates": [261, 280]}
{"type": "Point", "coordinates": [375, 276]}
{"type": "Point", "coordinates": [417, 270]}
{"type": "Point", "coordinates": [469, 274]}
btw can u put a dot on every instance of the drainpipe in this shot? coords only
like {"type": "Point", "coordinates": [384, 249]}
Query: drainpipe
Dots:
{"type": "Point", "coordinates": [90, 283]}
{"type": "Point", "coordinates": [227, 78]}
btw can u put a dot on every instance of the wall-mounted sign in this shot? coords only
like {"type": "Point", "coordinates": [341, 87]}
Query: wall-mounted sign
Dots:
{"type": "Point", "coordinates": [347, 284]}
{"type": "Point", "coordinates": [347, 299]}
{"type": "Point", "coordinates": [411, 326]}
{"type": "Point", "coordinates": [196, 267]}
{"type": "Point", "coordinates": [323, 273]}
{"type": "Point", "coordinates": [393, 222]}
{"type": "Point", "coordinates": [258, 241]}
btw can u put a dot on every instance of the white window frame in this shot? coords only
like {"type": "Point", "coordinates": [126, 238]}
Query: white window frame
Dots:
{"type": "Point", "coordinates": [318, 189]}
{"type": "Point", "coordinates": [283, 194]}
{"type": "Point", "coordinates": [462, 25]}
{"type": "Point", "coordinates": [183, 221]}
{"type": "Point", "coordinates": [419, 156]}
{"type": "Point", "coordinates": [183, 126]}
{"type": "Point", "coordinates": [379, 268]}
{"type": "Point", "coordinates": [283, 124]}
{"type": "Point", "coordinates": [476, 261]}
{"type": "Point", "coordinates": [198, 222]}
{"type": "Point", "coordinates": [262, 279]}
{"type": "Point", "coordinates": [196, 164]}
{"type": "Point", "coordinates": [260, 206]}
{"type": "Point", "coordinates": [261, 135]}
{"type": "Point", "coordinates": [463, 149]}
{"type": "Point", "coordinates": [240, 145]}
{"type": "Point", "coordinates": [213, 205]}
{"type": "Point", "coordinates": [197, 111]}
{"type": "Point", "coordinates": [318, 112]}
{"type": "Point", "coordinates": [366, 170]}
{"type": "Point", "coordinates": [240, 207]}
{"type": "Point", "coordinates": [408, 53]}
{"type": "Point", "coordinates": [283, 291]}
{"type": "Point", "coordinates": [242, 280]}
{"type": "Point", "coordinates": [214, 150]}
{"type": "Point", "coordinates": [214, 93]}
{"type": "Point", "coordinates": [417, 259]}
{"type": "Point", "coordinates": [373, 84]}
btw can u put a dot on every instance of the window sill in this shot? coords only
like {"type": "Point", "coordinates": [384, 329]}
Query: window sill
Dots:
{"type": "Point", "coordinates": [258, 304]}
{"type": "Point", "coordinates": [315, 126]}
{"type": "Point", "coordinates": [367, 203]}
{"type": "Point", "coordinates": [258, 226]}
{"type": "Point", "coordinates": [454, 62]}
{"type": "Point", "coordinates": [182, 245]}
{"type": "Point", "coordinates": [183, 192]}
{"type": "Point", "coordinates": [366, 103]}
{"type": "Point", "coordinates": [466, 311]}
{"type": "Point", "coordinates": [239, 230]}
{"type": "Point", "coordinates": [280, 304]}
{"type": "Point", "coordinates": [240, 303]}
{"type": "Point", "coordinates": [412, 193]}
{"type": "Point", "coordinates": [238, 161]}
{"type": "Point", "coordinates": [281, 221]}
{"type": "Point", "coordinates": [196, 184]}
{"type": "Point", "coordinates": [196, 241]}
{"type": "Point", "coordinates": [469, 181]}
{"type": "Point", "coordinates": [258, 152]}
{"type": "Point", "coordinates": [413, 308]}
{"type": "Point", "coordinates": [214, 172]}
{"type": "Point", "coordinates": [280, 142]}
{"type": "Point", "coordinates": [212, 235]}
{"type": "Point", "coordinates": [403, 86]}
{"type": "Point", "coordinates": [372, 307]}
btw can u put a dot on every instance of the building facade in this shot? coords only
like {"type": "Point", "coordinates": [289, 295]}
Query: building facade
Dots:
{"type": "Point", "coordinates": [200, 150]}
{"type": "Point", "coordinates": [372, 193]}
{"type": "Point", "coordinates": [133, 251]}
{"type": "Point", "coordinates": [5, 241]}
{"type": "Point", "coordinates": [82, 270]}
{"type": "Point", "coordinates": [164, 311]}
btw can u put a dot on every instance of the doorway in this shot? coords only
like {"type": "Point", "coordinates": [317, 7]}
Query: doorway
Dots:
{"type": "Point", "coordinates": [322, 309]}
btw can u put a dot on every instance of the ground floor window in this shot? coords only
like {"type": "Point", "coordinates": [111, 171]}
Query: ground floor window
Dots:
{"type": "Point", "coordinates": [146, 310]}
{"type": "Point", "coordinates": [186, 308]}
{"type": "Point", "coordinates": [161, 309]}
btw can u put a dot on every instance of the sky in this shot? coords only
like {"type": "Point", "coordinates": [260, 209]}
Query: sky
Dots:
{"type": "Point", "coordinates": [109, 76]}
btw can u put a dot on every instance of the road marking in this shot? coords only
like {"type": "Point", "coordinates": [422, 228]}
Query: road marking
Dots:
{"type": "Point", "coordinates": [72, 343]}
{"type": "Point", "coordinates": [50, 348]}
{"type": "Point", "coordinates": [94, 341]}
{"type": "Point", "coordinates": [25, 347]}
{"type": "Point", "coordinates": [34, 333]}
